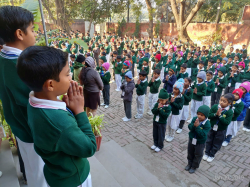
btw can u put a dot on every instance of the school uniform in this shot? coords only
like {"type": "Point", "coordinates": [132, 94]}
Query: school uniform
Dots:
{"type": "Point", "coordinates": [153, 93]}
{"type": "Point", "coordinates": [231, 81]}
{"type": "Point", "coordinates": [215, 97]}
{"type": "Point", "coordinates": [185, 110]}
{"type": "Point", "coordinates": [182, 75]}
{"type": "Point", "coordinates": [240, 79]}
{"type": "Point", "coordinates": [168, 85]}
{"type": "Point", "coordinates": [139, 66]}
{"type": "Point", "coordinates": [196, 143]}
{"type": "Point", "coordinates": [197, 99]}
{"type": "Point", "coordinates": [127, 95]}
{"type": "Point", "coordinates": [189, 65]}
{"type": "Point", "coordinates": [55, 129]}
{"type": "Point", "coordinates": [228, 66]}
{"type": "Point", "coordinates": [211, 68]}
{"type": "Point", "coordinates": [174, 118]}
{"type": "Point", "coordinates": [166, 67]}
{"type": "Point", "coordinates": [106, 88]}
{"type": "Point", "coordinates": [14, 95]}
{"type": "Point", "coordinates": [133, 65]}
{"type": "Point", "coordinates": [178, 64]}
{"type": "Point", "coordinates": [159, 124]}
{"type": "Point", "coordinates": [118, 78]}
{"type": "Point", "coordinates": [140, 97]}
{"type": "Point", "coordinates": [234, 126]}
{"type": "Point", "coordinates": [219, 126]}
{"type": "Point", "coordinates": [194, 65]}
{"type": "Point", "coordinates": [229, 54]}
{"type": "Point", "coordinates": [210, 90]}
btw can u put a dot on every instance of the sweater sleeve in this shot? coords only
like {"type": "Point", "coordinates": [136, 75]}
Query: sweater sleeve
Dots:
{"type": "Point", "coordinates": [98, 81]}
{"type": "Point", "coordinates": [226, 120]}
{"type": "Point", "coordinates": [172, 82]}
{"type": "Point", "coordinates": [129, 89]}
{"type": "Point", "coordinates": [203, 91]}
{"type": "Point", "coordinates": [78, 140]}
{"type": "Point", "coordinates": [166, 113]}
{"type": "Point", "coordinates": [191, 125]}
{"type": "Point", "coordinates": [211, 87]}
{"type": "Point", "coordinates": [155, 110]}
{"type": "Point", "coordinates": [202, 132]}
{"type": "Point", "coordinates": [212, 112]}
{"type": "Point", "coordinates": [178, 104]}
{"type": "Point", "coordinates": [188, 97]}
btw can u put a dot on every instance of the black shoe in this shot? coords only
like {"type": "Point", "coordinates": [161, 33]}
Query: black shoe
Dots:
{"type": "Point", "coordinates": [187, 168]}
{"type": "Point", "coordinates": [192, 170]}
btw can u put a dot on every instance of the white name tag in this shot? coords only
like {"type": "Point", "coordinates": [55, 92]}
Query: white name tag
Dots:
{"type": "Point", "coordinates": [123, 93]}
{"type": "Point", "coordinates": [229, 84]}
{"type": "Point", "coordinates": [157, 118]}
{"type": "Point", "coordinates": [194, 141]}
{"type": "Point", "coordinates": [215, 90]}
{"type": "Point", "coordinates": [215, 128]}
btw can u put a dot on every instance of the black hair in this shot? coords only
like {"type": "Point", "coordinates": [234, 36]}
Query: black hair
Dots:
{"type": "Point", "coordinates": [244, 56]}
{"type": "Point", "coordinates": [210, 72]}
{"type": "Point", "coordinates": [125, 51]}
{"type": "Point", "coordinates": [211, 60]}
{"type": "Point", "coordinates": [80, 58]}
{"type": "Point", "coordinates": [103, 53]}
{"type": "Point", "coordinates": [1, 41]}
{"type": "Point", "coordinates": [229, 97]}
{"type": "Point", "coordinates": [72, 56]}
{"type": "Point", "coordinates": [157, 71]}
{"type": "Point", "coordinates": [201, 62]}
{"type": "Point", "coordinates": [184, 66]}
{"type": "Point", "coordinates": [189, 80]}
{"type": "Point", "coordinates": [119, 57]}
{"type": "Point", "coordinates": [236, 65]}
{"type": "Point", "coordinates": [115, 53]}
{"type": "Point", "coordinates": [128, 55]}
{"type": "Point", "coordinates": [143, 73]}
{"type": "Point", "coordinates": [132, 51]}
{"type": "Point", "coordinates": [37, 64]}
{"type": "Point", "coordinates": [231, 57]}
{"type": "Point", "coordinates": [13, 18]}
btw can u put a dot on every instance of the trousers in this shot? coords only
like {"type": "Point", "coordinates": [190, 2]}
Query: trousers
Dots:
{"type": "Point", "coordinates": [159, 130]}
{"type": "Point", "coordinates": [140, 100]}
{"type": "Point", "coordinates": [195, 154]}
{"type": "Point", "coordinates": [152, 100]}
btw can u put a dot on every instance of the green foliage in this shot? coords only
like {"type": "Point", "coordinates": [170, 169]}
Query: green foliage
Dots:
{"type": "Point", "coordinates": [157, 28]}
{"type": "Point", "coordinates": [137, 29]}
{"type": "Point", "coordinates": [215, 37]}
{"type": "Point", "coordinates": [121, 26]}
{"type": "Point", "coordinates": [96, 124]}
{"type": "Point", "coordinates": [33, 6]}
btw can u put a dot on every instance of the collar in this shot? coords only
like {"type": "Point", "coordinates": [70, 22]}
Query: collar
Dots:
{"type": "Point", "coordinates": [203, 122]}
{"type": "Point", "coordinates": [178, 96]}
{"type": "Point", "coordinates": [227, 108]}
{"type": "Point", "coordinates": [48, 104]}
{"type": "Point", "coordinates": [209, 81]}
{"type": "Point", "coordinates": [221, 77]}
{"type": "Point", "coordinates": [144, 80]}
{"type": "Point", "coordinates": [157, 79]}
{"type": "Point", "coordinates": [11, 52]}
{"type": "Point", "coordinates": [238, 101]}
{"type": "Point", "coordinates": [199, 83]}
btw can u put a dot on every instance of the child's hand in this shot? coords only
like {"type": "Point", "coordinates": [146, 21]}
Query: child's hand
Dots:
{"type": "Point", "coordinates": [183, 91]}
{"type": "Point", "coordinates": [218, 113]}
{"type": "Point", "coordinates": [142, 68]}
{"type": "Point", "coordinates": [155, 65]}
{"type": "Point", "coordinates": [172, 100]}
{"type": "Point", "coordinates": [217, 81]}
{"type": "Point", "coordinates": [139, 81]}
{"type": "Point", "coordinates": [116, 65]}
{"type": "Point", "coordinates": [75, 98]}
{"type": "Point", "coordinates": [153, 79]}
{"type": "Point", "coordinates": [159, 105]}
{"type": "Point", "coordinates": [196, 123]}
{"type": "Point", "coordinates": [122, 70]}
{"type": "Point", "coordinates": [167, 78]}
{"type": "Point", "coordinates": [195, 90]}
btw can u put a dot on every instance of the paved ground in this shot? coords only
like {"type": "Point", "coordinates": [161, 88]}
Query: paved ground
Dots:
{"type": "Point", "coordinates": [231, 166]}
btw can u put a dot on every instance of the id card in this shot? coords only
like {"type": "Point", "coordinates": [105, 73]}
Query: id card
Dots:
{"type": "Point", "coordinates": [215, 90]}
{"type": "Point", "coordinates": [229, 84]}
{"type": "Point", "coordinates": [123, 93]}
{"type": "Point", "coordinates": [215, 128]}
{"type": "Point", "coordinates": [194, 141]}
{"type": "Point", "coordinates": [157, 118]}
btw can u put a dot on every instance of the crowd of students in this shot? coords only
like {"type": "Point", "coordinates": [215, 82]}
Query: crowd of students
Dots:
{"type": "Point", "coordinates": [53, 133]}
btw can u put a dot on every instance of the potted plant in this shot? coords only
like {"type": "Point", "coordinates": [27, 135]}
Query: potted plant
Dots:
{"type": "Point", "coordinates": [96, 125]}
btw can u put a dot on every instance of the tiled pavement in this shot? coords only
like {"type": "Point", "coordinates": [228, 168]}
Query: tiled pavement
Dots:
{"type": "Point", "coordinates": [231, 166]}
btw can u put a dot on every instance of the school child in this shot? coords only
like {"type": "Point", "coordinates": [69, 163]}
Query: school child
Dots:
{"type": "Point", "coordinates": [169, 63]}
{"type": "Point", "coordinates": [236, 59]}
{"type": "Point", "coordinates": [237, 108]}
{"type": "Point", "coordinates": [141, 87]}
{"type": "Point", "coordinates": [178, 62]}
{"type": "Point", "coordinates": [244, 59]}
{"type": "Point", "coordinates": [195, 63]}
{"type": "Point", "coordinates": [183, 72]}
{"type": "Point", "coordinates": [210, 88]}
{"type": "Point", "coordinates": [169, 80]}
{"type": "Point", "coordinates": [220, 117]}
{"type": "Point", "coordinates": [127, 93]}
{"type": "Point", "coordinates": [118, 67]}
{"type": "Point", "coordinates": [161, 112]}
{"type": "Point", "coordinates": [125, 69]}
{"type": "Point", "coordinates": [213, 56]}
{"type": "Point", "coordinates": [154, 85]}
{"type": "Point", "coordinates": [17, 33]}
{"type": "Point", "coordinates": [102, 60]}
{"type": "Point", "coordinates": [229, 64]}
{"type": "Point", "coordinates": [232, 78]}
{"type": "Point", "coordinates": [224, 61]}
{"type": "Point", "coordinates": [199, 91]}
{"type": "Point", "coordinates": [210, 66]}
{"type": "Point", "coordinates": [245, 115]}
{"type": "Point", "coordinates": [79, 63]}
{"type": "Point", "coordinates": [199, 128]}
{"type": "Point", "coordinates": [145, 66]}
{"type": "Point", "coordinates": [139, 62]}
{"type": "Point", "coordinates": [57, 125]}
{"type": "Point", "coordinates": [240, 75]}
{"type": "Point", "coordinates": [187, 95]}
{"type": "Point", "coordinates": [176, 102]}
{"type": "Point", "coordinates": [189, 61]}
{"type": "Point", "coordinates": [217, 65]}
{"type": "Point", "coordinates": [133, 62]}
{"type": "Point", "coordinates": [220, 83]}
{"type": "Point", "coordinates": [231, 53]}
{"type": "Point", "coordinates": [247, 73]}
{"type": "Point", "coordinates": [106, 79]}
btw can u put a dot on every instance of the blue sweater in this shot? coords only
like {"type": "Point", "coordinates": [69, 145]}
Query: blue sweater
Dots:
{"type": "Point", "coordinates": [246, 102]}
{"type": "Point", "coordinates": [169, 84]}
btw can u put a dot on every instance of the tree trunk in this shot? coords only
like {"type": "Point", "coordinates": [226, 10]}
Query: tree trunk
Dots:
{"type": "Point", "coordinates": [183, 35]}
{"type": "Point", "coordinates": [90, 23]}
{"type": "Point", "coordinates": [150, 16]}
{"type": "Point", "coordinates": [218, 13]}
{"type": "Point", "coordinates": [128, 12]}
{"type": "Point", "coordinates": [62, 18]}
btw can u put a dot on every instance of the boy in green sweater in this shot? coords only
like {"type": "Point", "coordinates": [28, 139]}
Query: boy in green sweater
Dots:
{"type": "Point", "coordinates": [232, 78]}
{"type": "Point", "coordinates": [118, 68]}
{"type": "Point", "coordinates": [183, 72]}
{"type": "Point", "coordinates": [199, 128]}
{"type": "Point", "coordinates": [161, 111]}
{"type": "Point", "coordinates": [62, 137]}
{"type": "Point", "coordinates": [154, 85]}
{"type": "Point", "coordinates": [17, 32]}
{"type": "Point", "coordinates": [220, 83]}
{"type": "Point", "coordinates": [106, 89]}
{"type": "Point", "coordinates": [141, 88]}
{"type": "Point", "coordinates": [210, 88]}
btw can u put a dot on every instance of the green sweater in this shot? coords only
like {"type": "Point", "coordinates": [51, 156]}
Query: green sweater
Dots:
{"type": "Point", "coordinates": [232, 80]}
{"type": "Point", "coordinates": [222, 85]}
{"type": "Point", "coordinates": [106, 78]}
{"type": "Point", "coordinates": [223, 121]}
{"type": "Point", "coordinates": [14, 95]}
{"type": "Point", "coordinates": [247, 75]}
{"type": "Point", "coordinates": [118, 68]}
{"type": "Point", "coordinates": [146, 69]}
{"type": "Point", "coordinates": [163, 113]}
{"type": "Point", "coordinates": [200, 132]}
{"type": "Point", "coordinates": [177, 105]}
{"type": "Point", "coordinates": [154, 86]}
{"type": "Point", "coordinates": [237, 108]}
{"type": "Point", "coordinates": [64, 142]}
{"type": "Point", "coordinates": [142, 87]}
{"type": "Point", "coordinates": [210, 87]}
{"type": "Point", "coordinates": [158, 66]}
{"type": "Point", "coordinates": [201, 91]}
{"type": "Point", "coordinates": [188, 95]}
{"type": "Point", "coordinates": [181, 75]}
{"type": "Point", "coordinates": [195, 63]}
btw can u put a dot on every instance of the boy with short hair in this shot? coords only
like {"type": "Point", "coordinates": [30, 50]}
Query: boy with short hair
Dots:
{"type": "Point", "coordinates": [169, 80]}
{"type": "Point", "coordinates": [141, 87]}
{"type": "Point", "coordinates": [183, 73]}
{"type": "Point", "coordinates": [17, 31]}
{"type": "Point", "coordinates": [118, 67]}
{"type": "Point", "coordinates": [210, 88]}
{"type": "Point", "coordinates": [62, 136]}
{"type": "Point", "coordinates": [154, 85]}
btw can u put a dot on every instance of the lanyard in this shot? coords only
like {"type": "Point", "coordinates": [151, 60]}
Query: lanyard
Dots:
{"type": "Point", "coordinates": [70, 111]}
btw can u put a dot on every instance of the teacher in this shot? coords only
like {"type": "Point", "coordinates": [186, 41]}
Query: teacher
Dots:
{"type": "Point", "coordinates": [93, 84]}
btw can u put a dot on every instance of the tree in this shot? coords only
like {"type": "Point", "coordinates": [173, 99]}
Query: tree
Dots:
{"type": "Point", "coordinates": [179, 14]}
{"type": "Point", "coordinates": [150, 17]}
{"type": "Point", "coordinates": [98, 11]}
